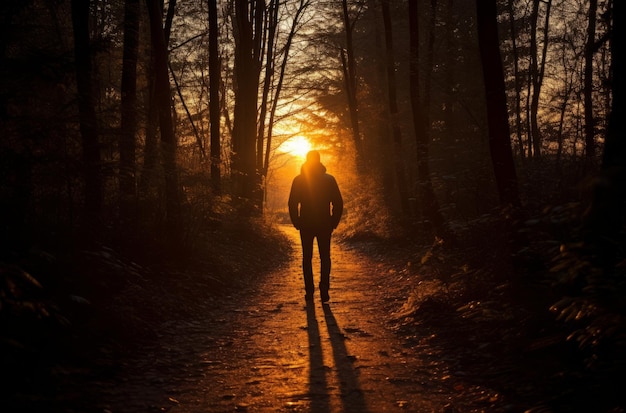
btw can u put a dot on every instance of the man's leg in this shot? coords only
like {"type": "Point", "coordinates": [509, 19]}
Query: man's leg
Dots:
{"type": "Point", "coordinates": [323, 245]}
{"type": "Point", "coordinates": [307, 255]}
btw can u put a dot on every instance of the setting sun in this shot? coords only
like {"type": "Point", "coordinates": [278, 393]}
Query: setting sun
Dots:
{"type": "Point", "coordinates": [297, 146]}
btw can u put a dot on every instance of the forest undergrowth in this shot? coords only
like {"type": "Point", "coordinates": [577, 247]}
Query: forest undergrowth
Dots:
{"type": "Point", "coordinates": [518, 302]}
{"type": "Point", "coordinates": [528, 313]}
{"type": "Point", "coordinates": [539, 323]}
{"type": "Point", "coordinates": [72, 313]}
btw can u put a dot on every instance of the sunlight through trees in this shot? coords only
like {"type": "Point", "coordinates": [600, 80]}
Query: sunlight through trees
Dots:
{"type": "Point", "coordinates": [147, 127]}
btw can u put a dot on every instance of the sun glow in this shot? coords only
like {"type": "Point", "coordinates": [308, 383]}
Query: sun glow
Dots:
{"type": "Point", "coordinates": [298, 146]}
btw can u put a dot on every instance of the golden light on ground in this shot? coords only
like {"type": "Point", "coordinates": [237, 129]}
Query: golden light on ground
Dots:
{"type": "Point", "coordinates": [297, 146]}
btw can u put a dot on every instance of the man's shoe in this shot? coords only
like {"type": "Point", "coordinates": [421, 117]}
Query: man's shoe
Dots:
{"type": "Point", "coordinates": [325, 296]}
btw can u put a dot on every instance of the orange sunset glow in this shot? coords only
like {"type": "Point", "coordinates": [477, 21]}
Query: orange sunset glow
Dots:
{"type": "Point", "coordinates": [348, 206]}
{"type": "Point", "coordinates": [298, 146]}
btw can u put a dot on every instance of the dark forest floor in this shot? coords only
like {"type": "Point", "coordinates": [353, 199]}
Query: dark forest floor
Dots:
{"type": "Point", "coordinates": [432, 329]}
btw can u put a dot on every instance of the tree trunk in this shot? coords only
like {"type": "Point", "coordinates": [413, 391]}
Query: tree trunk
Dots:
{"type": "Point", "coordinates": [129, 109]}
{"type": "Point", "coordinates": [393, 111]}
{"type": "Point", "coordinates": [87, 113]}
{"type": "Point", "coordinates": [247, 72]}
{"type": "Point", "coordinates": [497, 116]}
{"type": "Point", "coordinates": [533, 71]}
{"type": "Point", "coordinates": [350, 80]}
{"type": "Point", "coordinates": [425, 188]}
{"type": "Point", "coordinates": [430, 55]}
{"type": "Point", "coordinates": [605, 219]}
{"type": "Point", "coordinates": [168, 140]}
{"type": "Point", "coordinates": [518, 83]}
{"type": "Point", "coordinates": [614, 155]}
{"type": "Point", "coordinates": [590, 144]}
{"type": "Point", "coordinates": [529, 135]}
{"type": "Point", "coordinates": [542, 70]}
{"type": "Point", "coordinates": [385, 153]}
{"type": "Point", "coordinates": [151, 146]}
{"type": "Point", "coordinates": [450, 102]}
{"type": "Point", "coordinates": [272, 22]}
{"type": "Point", "coordinates": [537, 71]}
{"type": "Point", "coordinates": [214, 97]}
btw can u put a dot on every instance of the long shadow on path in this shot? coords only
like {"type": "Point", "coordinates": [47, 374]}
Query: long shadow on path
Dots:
{"type": "Point", "coordinates": [351, 394]}
{"type": "Point", "coordinates": [318, 388]}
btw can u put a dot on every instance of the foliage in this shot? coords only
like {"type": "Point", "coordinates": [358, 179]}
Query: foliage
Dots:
{"type": "Point", "coordinates": [556, 312]}
{"type": "Point", "coordinates": [61, 296]}
{"type": "Point", "coordinates": [365, 213]}
{"type": "Point", "coordinates": [593, 308]}
{"type": "Point", "coordinates": [83, 310]}
{"type": "Point", "coordinates": [21, 302]}
{"type": "Point", "coordinates": [95, 278]}
{"type": "Point", "coordinates": [567, 275]}
{"type": "Point", "coordinates": [584, 294]}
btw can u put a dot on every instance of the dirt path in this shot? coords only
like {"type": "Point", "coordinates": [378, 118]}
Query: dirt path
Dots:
{"type": "Point", "coordinates": [274, 353]}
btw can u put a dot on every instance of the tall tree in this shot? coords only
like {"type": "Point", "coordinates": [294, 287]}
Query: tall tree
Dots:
{"type": "Point", "coordinates": [151, 146]}
{"type": "Point", "coordinates": [606, 217]}
{"type": "Point", "coordinates": [249, 17]}
{"type": "Point", "coordinates": [590, 47]}
{"type": "Point", "coordinates": [129, 106]}
{"type": "Point", "coordinates": [87, 113]}
{"type": "Point", "coordinates": [272, 26]}
{"type": "Point", "coordinates": [214, 96]}
{"type": "Point", "coordinates": [166, 126]}
{"type": "Point", "coordinates": [430, 205]}
{"type": "Point", "coordinates": [393, 111]}
{"type": "Point", "coordinates": [537, 70]}
{"type": "Point", "coordinates": [348, 63]}
{"type": "Point", "coordinates": [448, 70]}
{"type": "Point", "coordinates": [429, 61]}
{"type": "Point", "coordinates": [516, 77]}
{"type": "Point", "coordinates": [497, 114]}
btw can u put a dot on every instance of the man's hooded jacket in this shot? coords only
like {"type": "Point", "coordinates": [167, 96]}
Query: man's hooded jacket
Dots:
{"type": "Point", "coordinates": [315, 203]}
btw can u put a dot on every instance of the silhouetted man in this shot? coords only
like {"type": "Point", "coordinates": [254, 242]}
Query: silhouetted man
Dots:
{"type": "Point", "coordinates": [315, 208]}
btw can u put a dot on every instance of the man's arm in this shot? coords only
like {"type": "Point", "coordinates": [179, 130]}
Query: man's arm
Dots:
{"type": "Point", "coordinates": [337, 202]}
{"type": "Point", "coordinates": [294, 201]}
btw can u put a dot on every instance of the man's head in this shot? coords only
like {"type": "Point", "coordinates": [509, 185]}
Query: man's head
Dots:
{"type": "Point", "coordinates": [313, 157]}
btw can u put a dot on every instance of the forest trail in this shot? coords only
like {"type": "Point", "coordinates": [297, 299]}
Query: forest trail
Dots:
{"type": "Point", "coordinates": [268, 351]}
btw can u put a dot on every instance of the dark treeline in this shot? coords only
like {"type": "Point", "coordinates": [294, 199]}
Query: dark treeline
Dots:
{"type": "Point", "coordinates": [141, 127]}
